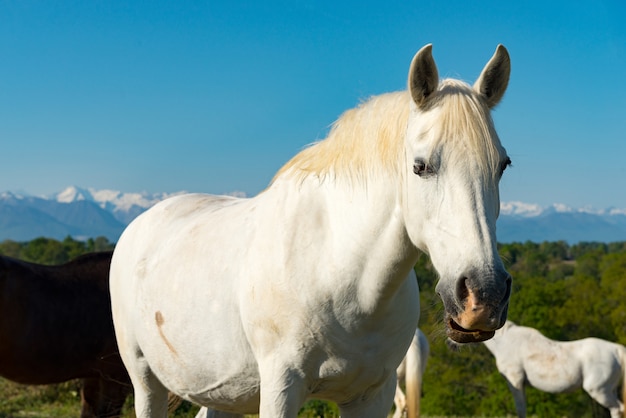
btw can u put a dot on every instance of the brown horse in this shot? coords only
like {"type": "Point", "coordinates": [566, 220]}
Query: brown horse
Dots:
{"type": "Point", "coordinates": [56, 325]}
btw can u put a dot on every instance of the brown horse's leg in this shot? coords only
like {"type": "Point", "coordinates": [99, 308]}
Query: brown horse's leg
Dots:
{"type": "Point", "coordinates": [113, 394]}
{"type": "Point", "coordinates": [89, 396]}
{"type": "Point", "coordinates": [103, 398]}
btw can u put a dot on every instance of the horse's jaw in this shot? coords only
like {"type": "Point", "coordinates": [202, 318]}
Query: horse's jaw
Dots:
{"type": "Point", "coordinates": [458, 334]}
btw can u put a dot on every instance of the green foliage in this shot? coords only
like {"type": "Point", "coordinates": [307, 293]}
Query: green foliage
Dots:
{"type": "Point", "coordinates": [50, 251]}
{"type": "Point", "coordinates": [49, 401]}
{"type": "Point", "coordinates": [613, 284]}
{"type": "Point", "coordinates": [319, 409]}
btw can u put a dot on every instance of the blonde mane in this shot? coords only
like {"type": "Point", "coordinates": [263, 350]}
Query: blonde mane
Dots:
{"type": "Point", "coordinates": [364, 139]}
{"type": "Point", "coordinates": [369, 139]}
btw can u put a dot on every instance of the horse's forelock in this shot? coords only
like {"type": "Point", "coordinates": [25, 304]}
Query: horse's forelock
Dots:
{"type": "Point", "coordinates": [466, 127]}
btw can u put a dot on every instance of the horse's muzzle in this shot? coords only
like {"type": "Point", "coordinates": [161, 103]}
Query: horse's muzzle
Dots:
{"type": "Point", "coordinates": [475, 312]}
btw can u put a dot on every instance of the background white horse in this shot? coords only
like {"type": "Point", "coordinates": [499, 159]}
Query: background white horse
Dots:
{"type": "Point", "coordinates": [523, 355]}
{"type": "Point", "coordinates": [410, 373]}
{"type": "Point", "coordinates": [305, 291]}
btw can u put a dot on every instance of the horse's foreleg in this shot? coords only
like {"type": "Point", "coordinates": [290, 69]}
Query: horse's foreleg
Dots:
{"type": "Point", "coordinates": [89, 396]}
{"type": "Point", "coordinates": [282, 390]}
{"type": "Point", "coordinates": [519, 397]}
{"type": "Point", "coordinates": [376, 406]}
{"type": "Point", "coordinates": [113, 394]}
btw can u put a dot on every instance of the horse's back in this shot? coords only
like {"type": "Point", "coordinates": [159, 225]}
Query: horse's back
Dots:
{"type": "Point", "coordinates": [167, 217]}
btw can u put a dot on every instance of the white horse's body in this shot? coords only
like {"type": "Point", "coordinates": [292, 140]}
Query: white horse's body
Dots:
{"type": "Point", "coordinates": [524, 356]}
{"type": "Point", "coordinates": [410, 373]}
{"type": "Point", "coordinates": [305, 290]}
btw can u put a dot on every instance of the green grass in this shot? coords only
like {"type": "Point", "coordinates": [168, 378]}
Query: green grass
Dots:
{"type": "Point", "coordinates": [58, 401]}
{"type": "Point", "coordinates": [63, 401]}
{"type": "Point", "coordinates": [49, 401]}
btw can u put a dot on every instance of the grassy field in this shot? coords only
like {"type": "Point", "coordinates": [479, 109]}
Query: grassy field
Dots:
{"type": "Point", "coordinates": [49, 401]}
{"type": "Point", "coordinates": [63, 401]}
{"type": "Point", "coordinates": [57, 401]}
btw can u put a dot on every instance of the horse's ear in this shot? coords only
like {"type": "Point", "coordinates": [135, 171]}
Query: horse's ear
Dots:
{"type": "Point", "coordinates": [494, 79]}
{"type": "Point", "coordinates": [423, 75]}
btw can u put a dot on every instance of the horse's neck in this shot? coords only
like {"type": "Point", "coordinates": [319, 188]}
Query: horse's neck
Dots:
{"type": "Point", "coordinates": [499, 343]}
{"type": "Point", "coordinates": [361, 229]}
{"type": "Point", "coordinates": [512, 337]}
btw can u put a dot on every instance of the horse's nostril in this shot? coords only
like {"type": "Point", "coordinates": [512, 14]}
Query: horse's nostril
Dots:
{"type": "Point", "coordinates": [507, 293]}
{"type": "Point", "coordinates": [462, 291]}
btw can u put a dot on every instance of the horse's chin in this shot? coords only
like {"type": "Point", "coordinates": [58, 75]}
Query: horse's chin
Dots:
{"type": "Point", "coordinates": [460, 335]}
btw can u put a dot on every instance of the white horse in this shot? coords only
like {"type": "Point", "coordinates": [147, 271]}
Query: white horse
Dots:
{"type": "Point", "coordinates": [410, 373]}
{"type": "Point", "coordinates": [523, 355]}
{"type": "Point", "coordinates": [305, 291]}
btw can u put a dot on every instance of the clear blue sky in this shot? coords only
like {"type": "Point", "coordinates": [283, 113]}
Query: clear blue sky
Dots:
{"type": "Point", "coordinates": [215, 96]}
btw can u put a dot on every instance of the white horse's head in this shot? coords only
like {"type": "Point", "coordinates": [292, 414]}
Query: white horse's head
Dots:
{"type": "Point", "coordinates": [455, 161]}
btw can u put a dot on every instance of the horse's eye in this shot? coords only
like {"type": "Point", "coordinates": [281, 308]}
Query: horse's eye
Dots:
{"type": "Point", "coordinates": [423, 169]}
{"type": "Point", "coordinates": [506, 163]}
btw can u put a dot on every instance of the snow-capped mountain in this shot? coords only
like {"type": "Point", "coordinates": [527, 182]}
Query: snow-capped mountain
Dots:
{"type": "Point", "coordinates": [528, 210]}
{"type": "Point", "coordinates": [87, 212]}
{"type": "Point", "coordinates": [23, 218]}
{"type": "Point", "coordinates": [77, 212]}
{"type": "Point", "coordinates": [520, 222]}
{"type": "Point", "coordinates": [124, 206]}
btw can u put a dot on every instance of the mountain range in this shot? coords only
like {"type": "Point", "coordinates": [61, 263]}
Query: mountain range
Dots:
{"type": "Point", "coordinates": [85, 212]}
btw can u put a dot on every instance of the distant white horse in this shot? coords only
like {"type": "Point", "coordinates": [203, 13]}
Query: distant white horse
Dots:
{"type": "Point", "coordinates": [305, 290]}
{"type": "Point", "coordinates": [523, 355]}
{"type": "Point", "coordinates": [410, 373]}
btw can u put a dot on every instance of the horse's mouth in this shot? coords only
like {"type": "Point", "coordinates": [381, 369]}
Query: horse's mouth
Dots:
{"type": "Point", "coordinates": [461, 335]}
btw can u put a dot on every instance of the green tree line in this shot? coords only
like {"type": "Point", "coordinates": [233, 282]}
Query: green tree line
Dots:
{"type": "Point", "coordinates": [566, 291]}
{"type": "Point", "coordinates": [50, 251]}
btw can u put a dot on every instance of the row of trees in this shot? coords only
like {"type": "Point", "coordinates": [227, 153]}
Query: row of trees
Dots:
{"type": "Point", "coordinates": [565, 291]}
{"type": "Point", "coordinates": [51, 251]}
